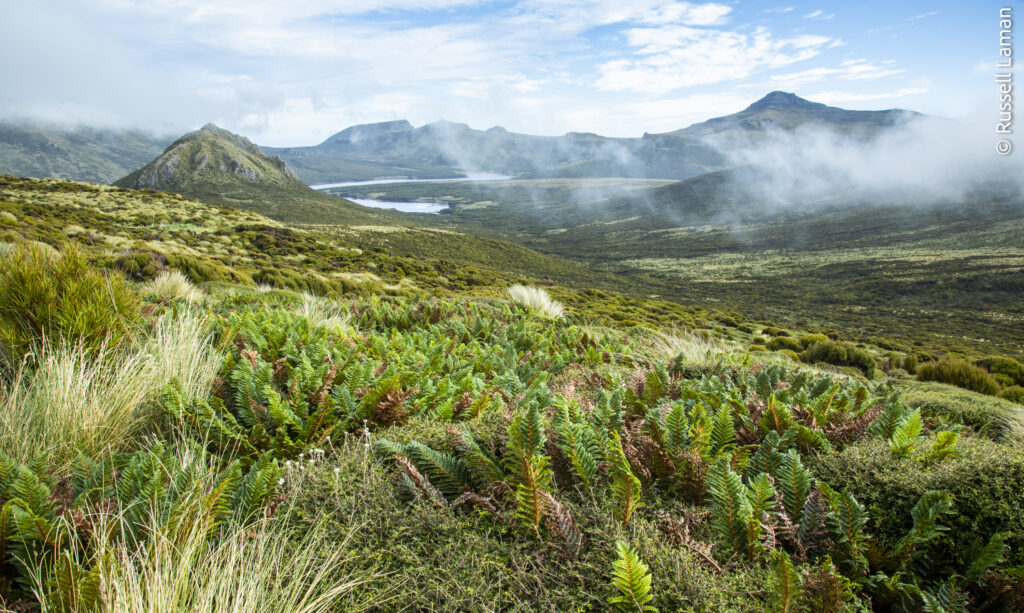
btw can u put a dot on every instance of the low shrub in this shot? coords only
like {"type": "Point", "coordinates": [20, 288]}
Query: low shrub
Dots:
{"type": "Point", "coordinates": [809, 339]}
{"type": "Point", "coordinates": [63, 299]}
{"type": "Point", "coordinates": [785, 342]}
{"type": "Point", "coordinates": [984, 483]}
{"type": "Point", "coordinates": [840, 353]}
{"type": "Point", "coordinates": [959, 373]}
{"type": "Point", "coordinates": [1014, 393]}
{"type": "Point", "coordinates": [140, 265]}
{"type": "Point", "coordinates": [1008, 367]}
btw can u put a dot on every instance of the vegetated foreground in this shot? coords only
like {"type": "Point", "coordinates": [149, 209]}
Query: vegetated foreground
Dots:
{"type": "Point", "coordinates": [323, 443]}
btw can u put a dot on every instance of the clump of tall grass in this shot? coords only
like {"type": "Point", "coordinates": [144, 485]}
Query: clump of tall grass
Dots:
{"type": "Point", "coordinates": [181, 348]}
{"type": "Point", "coordinates": [537, 300]}
{"type": "Point", "coordinates": [689, 348]}
{"type": "Point", "coordinates": [323, 312]}
{"type": "Point", "coordinates": [74, 400]}
{"type": "Point", "coordinates": [173, 285]}
{"type": "Point", "coordinates": [70, 399]}
{"type": "Point", "coordinates": [65, 299]}
{"type": "Point", "coordinates": [186, 548]}
{"type": "Point", "coordinates": [251, 569]}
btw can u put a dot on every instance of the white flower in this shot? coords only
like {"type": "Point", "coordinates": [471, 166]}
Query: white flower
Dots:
{"type": "Point", "coordinates": [336, 470]}
{"type": "Point", "coordinates": [280, 481]}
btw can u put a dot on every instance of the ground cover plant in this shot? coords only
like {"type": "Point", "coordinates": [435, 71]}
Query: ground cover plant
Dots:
{"type": "Point", "coordinates": [271, 447]}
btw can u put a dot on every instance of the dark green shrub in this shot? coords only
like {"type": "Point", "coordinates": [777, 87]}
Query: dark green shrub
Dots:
{"type": "Point", "coordinates": [984, 482]}
{"type": "Point", "coordinates": [784, 342]}
{"type": "Point", "coordinates": [1008, 367]}
{"type": "Point", "coordinates": [1014, 393]}
{"type": "Point", "coordinates": [140, 265]}
{"type": "Point", "coordinates": [910, 364]}
{"type": "Point", "coordinates": [809, 339]}
{"type": "Point", "coordinates": [960, 373]}
{"type": "Point", "coordinates": [773, 331]}
{"type": "Point", "coordinates": [64, 299]}
{"type": "Point", "coordinates": [201, 270]}
{"type": "Point", "coordinates": [989, 416]}
{"type": "Point", "coordinates": [840, 353]}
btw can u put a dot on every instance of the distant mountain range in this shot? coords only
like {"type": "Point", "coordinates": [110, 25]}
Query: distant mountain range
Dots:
{"type": "Point", "coordinates": [396, 149]}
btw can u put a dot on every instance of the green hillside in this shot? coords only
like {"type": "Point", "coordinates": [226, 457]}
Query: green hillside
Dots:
{"type": "Point", "coordinates": [81, 154]}
{"type": "Point", "coordinates": [218, 167]}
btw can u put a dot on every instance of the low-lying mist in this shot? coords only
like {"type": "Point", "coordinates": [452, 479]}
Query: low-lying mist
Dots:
{"type": "Point", "coordinates": [922, 161]}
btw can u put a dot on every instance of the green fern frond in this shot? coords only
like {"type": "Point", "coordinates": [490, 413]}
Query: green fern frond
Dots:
{"type": "Point", "coordinates": [625, 485]}
{"type": "Point", "coordinates": [632, 578]}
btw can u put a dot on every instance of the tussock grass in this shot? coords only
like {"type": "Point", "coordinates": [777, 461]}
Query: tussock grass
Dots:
{"type": "Point", "coordinates": [259, 569]}
{"type": "Point", "coordinates": [537, 300]}
{"type": "Point", "coordinates": [173, 285]}
{"type": "Point", "coordinates": [323, 312]}
{"type": "Point", "coordinates": [73, 400]}
{"type": "Point", "coordinates": [181, 348]}
{"type": "Point", "coordinates": [691, 348]}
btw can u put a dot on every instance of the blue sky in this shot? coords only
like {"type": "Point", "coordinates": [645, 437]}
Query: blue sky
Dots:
{"type": "Point", "coordinates": [293, 72]}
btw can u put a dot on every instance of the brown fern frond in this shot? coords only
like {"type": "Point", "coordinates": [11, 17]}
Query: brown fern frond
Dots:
{"type": "Point", "coordinates": [280, 373]}
{"type": "Point", "coordinates": [391, 408]}
{"type": "Point", "coordinates": [678, 530]}
{"type": "Point", "coordinates": [854, 429]}
{"type": "Point", "coordinates": [251, 355]}
{"type": "Point", "coordinates": [422, 485]}
{"type": "Point", "coordinates": [560, 522]}
{"type": "Point", "coordinates": [484, 502]}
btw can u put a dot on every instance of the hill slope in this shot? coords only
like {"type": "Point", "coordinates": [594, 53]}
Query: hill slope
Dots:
{"type": "Point", "coordinates": [218, 167]}
{"type": "Point", "coordinates": [81, 154]}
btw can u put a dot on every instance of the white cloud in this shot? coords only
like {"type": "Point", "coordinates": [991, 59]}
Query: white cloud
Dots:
{"type": "Point", "coordinates": [673, 57]}
{"type": "Point", "coordinates": [819, 15]}
{"type": "Point", "coordinates": [850, 70]}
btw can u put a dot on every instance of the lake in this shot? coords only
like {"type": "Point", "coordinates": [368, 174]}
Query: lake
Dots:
{"type": "Point", "coordinates": [411, 207]}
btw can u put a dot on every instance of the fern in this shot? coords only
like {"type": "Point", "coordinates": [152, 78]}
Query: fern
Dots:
{"type": "Point", "coordinates": [723, 432]}
{"type": "Point", "coordinates": [905, 437]}
{"type": "Point", "coordinates": [625, 485]}
{"type": "Point", "coordinates": [786, 584]}
{"type": "Point", "coordinates": [926, 515]}
{"type": "Point", "coordinates": [988, 557]}
{"type": "Point", "coordinates": [632, 578]}
{"type": "Point", "coordinates": [795, 483]}
{"type": "Point", "coordinates": [943, 448]}
{"type": "Point", "coordinates": [732, 512]}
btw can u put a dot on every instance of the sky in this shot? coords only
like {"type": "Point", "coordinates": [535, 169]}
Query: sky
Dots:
{"type": "Point", "coordinates": [293, 72]}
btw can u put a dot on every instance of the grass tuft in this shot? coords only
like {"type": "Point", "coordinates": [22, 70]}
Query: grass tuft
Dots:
{"type": "Point", "coordinates": [173, 285]}
{"type": "Point", "coordinates": [537, 300]}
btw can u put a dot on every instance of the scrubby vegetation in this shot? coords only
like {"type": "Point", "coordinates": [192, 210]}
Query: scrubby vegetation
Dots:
{"type": "Point", "coordinates": [366, 444]}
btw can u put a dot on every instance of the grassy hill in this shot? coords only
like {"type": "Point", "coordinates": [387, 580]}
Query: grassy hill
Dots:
{"type": "Point", "coordinates": [218, 167]}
